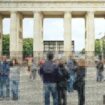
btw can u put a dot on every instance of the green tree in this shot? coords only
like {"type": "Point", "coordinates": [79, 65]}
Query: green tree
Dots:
{"type": "Point", "coordinates": [5, 43]}
{"type": "Point", "coordinates": [27, 47]}
{"type": "Point", "coordinates": [104, 48]}
{"type": "Point", "coordinates": [97, 47]}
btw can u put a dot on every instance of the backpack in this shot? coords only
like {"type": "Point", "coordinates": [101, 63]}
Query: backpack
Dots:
{"type": "Point", "coordinates": [48, 67]}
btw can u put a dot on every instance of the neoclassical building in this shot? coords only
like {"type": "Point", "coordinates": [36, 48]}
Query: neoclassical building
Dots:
{"type": "Point", "coordinates": [40, 9]}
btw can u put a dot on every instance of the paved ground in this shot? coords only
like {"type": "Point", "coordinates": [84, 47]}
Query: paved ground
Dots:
{"type": "Point", "coordinates": [31, 91]}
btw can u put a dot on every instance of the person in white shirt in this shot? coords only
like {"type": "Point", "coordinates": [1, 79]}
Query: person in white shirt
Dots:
{"type": "Point", "coordinates": [14, 78]}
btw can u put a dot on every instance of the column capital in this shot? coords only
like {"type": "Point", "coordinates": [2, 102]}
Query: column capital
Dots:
{"type": "Point", "coordinates": [37, 12]}
{"type": "Point", "coordinates": [1, 17]}
{"type": "Point", "coordinates": [13, 11]}
{"type": "Point", "coordinates": [67, 14]}
{"type": "Point", "coordinates": [90, 12]}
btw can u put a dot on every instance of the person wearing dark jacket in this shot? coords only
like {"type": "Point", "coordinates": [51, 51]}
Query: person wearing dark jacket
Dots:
{"type": "Point", "coordinates": [62, 84]}
{"type": "Point", "coordinates": [79, 84]}
{"type": "Point", "coordinates": [49, 73]}
{"type": "Point", "coordinates": [100, 69]}
{"type": "Point", "coordinates": [5, 82]}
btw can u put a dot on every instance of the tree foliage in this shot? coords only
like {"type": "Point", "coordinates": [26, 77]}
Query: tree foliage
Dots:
{"type": "Point", "coordinates": [27, 46]}
{"type": "Point", "coordinates": [5, 44]}
{"type": "Point", "coordinates": [97, 47]}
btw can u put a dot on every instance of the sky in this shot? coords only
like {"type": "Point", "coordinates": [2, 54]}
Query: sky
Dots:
{"type": "Point", "coordinates": [53, 29]}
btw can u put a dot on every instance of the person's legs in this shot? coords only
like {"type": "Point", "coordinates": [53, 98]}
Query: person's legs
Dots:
{"type": "Point", "coordinates": [34, 74]}
{"type": "Point", "coordinates": [1, 88]}
{"type": "Point", "coordinates": [97, 76]}
{"type": "Point", "coordinates": [46, 94]}
{"type": "Point", "coordinates": [7, 87]}
{"type": "Point", "coordinates": [15, 90]}
{"type": "Point", "coordinates": [101, 76]}
{"type": "Point", "coordinates": [64, 97]}
{"type": "Point", "coordinates": [29, 68]}
{"type": "Point", "coordinates": [59, 96]}
{"type": "Point", "coordinates": [3, 83]}
{"type": "Point", "coordinates": [70, 84]}
{"type": "Point", "coordinates": [53, 88]}
{"type": "Point", "coordinates": [81, 95]}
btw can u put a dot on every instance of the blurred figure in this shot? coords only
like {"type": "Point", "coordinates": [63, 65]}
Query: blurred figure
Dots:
{"type": "Point", "coordinates": [29, 62]}
{"type": "Point", "coordinates": [41, 62]}
{"type": "Point", "coordinates": [5, 82]}
{"type": "Point", "coordinates": [71, 66]}
{"type": "Point", "coordinates": [56, 62]}
{"type": "Point", "coordinates": [33, 70]}
{"type": "Point", "coordinates": [62, 84]}
{"type": "Point", "coordinates": [49, 73]}
{"type": "Point", "coordinates": [79, 84]}
{"type": "Point", "coordinates": [100, 69]}
{"type": "Point", "coordinates": [15, 78]}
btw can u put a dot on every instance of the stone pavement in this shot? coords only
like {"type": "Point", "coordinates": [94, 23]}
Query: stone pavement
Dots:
{"type": "Point", "coordinates": [31, 91]}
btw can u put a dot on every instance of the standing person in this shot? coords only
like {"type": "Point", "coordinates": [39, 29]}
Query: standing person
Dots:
{"type": "Point", "coordinates": [29, 61]}
{"type": "Point", "coordinates": [72, 75]}
{"type": "Point", "coordinates": [29, 64]}
{"type": "Point", "coordinates": [49, 73]}
{"type": "Point", "coordinates": [14, 78]}
{"type": "Point", "coordinates": [100, 69]}
{"type": "Point", "coordinates": [79, 84]}
{"type": "Point", "coordinates": [5, 81]}
{"type": "Point", "coordinates": [34, 69]}
{"type": "Point", "coordinates": [62, 84]}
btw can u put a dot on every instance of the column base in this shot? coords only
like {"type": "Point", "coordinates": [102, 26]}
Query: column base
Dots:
{"type": "Point", "coordinates": [17, 55]}
{"type": "Point", "coordinates": [90, 59]}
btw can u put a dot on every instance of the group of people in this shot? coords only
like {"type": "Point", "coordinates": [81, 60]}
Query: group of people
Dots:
{"type": "Point", "coordinates": [59, 77]}
{"type": "Point", "coordinates": [9, 78]}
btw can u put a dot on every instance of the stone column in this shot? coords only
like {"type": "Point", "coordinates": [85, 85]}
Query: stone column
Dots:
{"type": "Point", "coordinates": [90, 36]}
{"type": "Point", "coordinates": [38, 35]}
{"type": "Point", "coordinates": [16, 45]}
{"type": "Point", "coordinates": [20, 35]}
{"type": "Point", "coordinates": [1, 33]}
{"type": "Point", "coordinates": [67, 34]}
